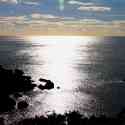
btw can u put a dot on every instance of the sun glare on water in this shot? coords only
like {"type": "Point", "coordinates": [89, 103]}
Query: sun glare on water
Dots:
{"type": "Point", "coordinates": [59, 55]}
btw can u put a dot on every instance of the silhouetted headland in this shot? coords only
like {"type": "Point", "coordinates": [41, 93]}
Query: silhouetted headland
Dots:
{"type": "Point", "coordinates": [15, 82]}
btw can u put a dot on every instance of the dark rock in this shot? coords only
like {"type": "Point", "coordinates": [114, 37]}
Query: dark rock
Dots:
{"type": "Point", "coordinates": [18, 72]}
{"type": "Point", "coordinates": [22, 104]}
{"type": "Point", "coordinates": [48, 84]}
{"type": "Point", "coordinates": [7, 104]}
{"type": "Point", "coordinates": [11, 103]}
{"type": "Point", "coordinates": [13, 82]}
{"type": "Point", "coordinates": [2, 121]}
{"type": "Point", "coordinates": [58, 87]}
{"type": "Point", "coordinates": [41, 87]}
{"type": "Point", "coordinates": [17, 95]}
{"type": "Point", "coordinates": [43, 80]}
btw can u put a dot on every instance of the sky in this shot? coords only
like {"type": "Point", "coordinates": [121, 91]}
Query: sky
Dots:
{"type": "Point", "coordinates": [38, 17]}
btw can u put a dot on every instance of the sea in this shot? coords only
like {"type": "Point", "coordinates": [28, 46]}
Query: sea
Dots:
{"type": "Point", "coordinates": [88, 73]}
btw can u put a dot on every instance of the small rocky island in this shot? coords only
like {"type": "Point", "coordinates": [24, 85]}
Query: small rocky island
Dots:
{"type": "Point", "coordinates": [14, 83]}
{"type": "Point", "coordinates": [48, 84]}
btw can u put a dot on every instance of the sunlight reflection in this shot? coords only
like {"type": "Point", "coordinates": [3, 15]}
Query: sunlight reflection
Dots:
{"type": "Point", "coordinates": [59, 57]}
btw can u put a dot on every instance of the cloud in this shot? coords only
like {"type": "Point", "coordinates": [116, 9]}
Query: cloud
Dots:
{"type": "Point", "coordinates": [9, 1]}
{"type": "Point", "coordinates": [12, 19]}
{"type": "Point", "coordinates": [43, 16]}
{"type": "Point", "coordinates": [34, 19]}
{"type": "Point", "coordinates": [94, 8]}
{"type": "Point", "coordinates": [30, 3]}
{"type": "Point", "coordinates": [43, 22]}
{"type": "Point", "coordinates": [88, 6]}
{"type": "Point", "coordinates": [50, 18]}
{"type": "Point", "coordinates": [41, 19]}
{"type": "Point", "coordinates": [74, 2]}
{"type": "Point", "coordinates": [37, 20]}
{"type": "Point", "coordinates": [27, 2]}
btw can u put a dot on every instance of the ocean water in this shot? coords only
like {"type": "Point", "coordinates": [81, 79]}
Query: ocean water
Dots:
{"type": "Point", "coordinates": [89, 71]}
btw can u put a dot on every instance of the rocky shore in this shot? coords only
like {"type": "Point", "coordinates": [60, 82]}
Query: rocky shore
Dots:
{"type": "Point", "coordinates": [14, 84]}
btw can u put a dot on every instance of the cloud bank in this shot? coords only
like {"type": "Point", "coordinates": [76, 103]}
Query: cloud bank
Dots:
{"type": "Point", "coordinates": [43, 23]}
{"type": "Point", "coordinates": [27, 2]}
{"type": "Point", "coordinates": [94, 8]}
{"type": "Point", "coordinates": [34, 16]}
{"type": "Point", "coordinates": [88, 6]}
{"type": "Point", "coordinates": [73, 2]}
{"type": "Point", "coordinates": [9, 1]}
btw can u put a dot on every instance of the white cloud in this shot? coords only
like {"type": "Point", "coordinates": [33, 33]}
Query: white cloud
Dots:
{"type": "Point", "coordinates": [42, 22]}
{"type": "Point", "coordinates": [33, 20]}
{"type": "Point", "coordinates": [30, 3]}
{"type": "Point", "coordinates": [74, 2]}
{"type": "Point", "coordinates": [9, 1]}
{"type": "Point", "coordinates": [43, 16]}
{"type": "Point", "coordinates": [13, 19]}
{"type": "Point", "coordinates": [27, 2]}
{"type": "Point", "coordinates": [42, 19]}
{"type": "Point", "coordinates": [36, 15]}
{"type": "Point", "coordinates": [94, 8]}
{"type": "Point", "coordinates": [88, 6]}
